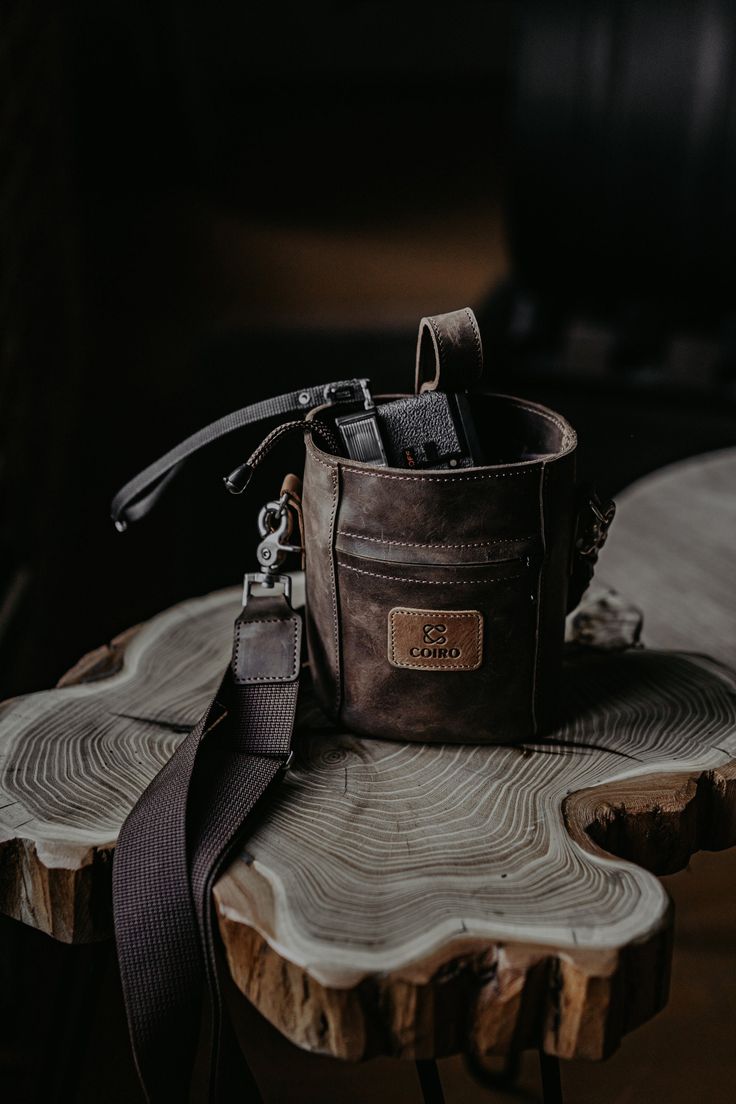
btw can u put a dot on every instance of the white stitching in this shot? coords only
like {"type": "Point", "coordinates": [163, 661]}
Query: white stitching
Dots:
{"type": "Point", "coordinates": [568, 433]}
{"type": "Point", "coordinates": [267, 621]}
{"type": "Point", "coordinates": [569, 438]}
{"type": "Point", "coordinates": [458, 615]}
{"type": "Point", "coordinates": [426, 582]}
{"type": "Point", "coordinates": [418, 544]}
{"type": "Point", "coordinates": [525, 467]}
{"type": "Point", "coordinates": [440, 349]}
{"type": "Point", "coordinates": [333, 576]}
{"type": "Point", "coordinates": [476, 335]}
{"type": "Point", "coordinates": [540, 599]}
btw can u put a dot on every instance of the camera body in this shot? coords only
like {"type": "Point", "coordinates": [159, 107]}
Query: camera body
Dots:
{"type": "Point", "coordinates": [431, 430]}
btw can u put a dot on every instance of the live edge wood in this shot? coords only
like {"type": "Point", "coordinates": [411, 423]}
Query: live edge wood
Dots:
{"type": "Point", "coordinates": [465, 898]}
{"type": "Point", "coordinates": [398, 899]}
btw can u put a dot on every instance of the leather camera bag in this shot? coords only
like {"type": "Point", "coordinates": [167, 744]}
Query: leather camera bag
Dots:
{"type": "Point", "coordinates": [435, 611]}
{"type": "Point", "coordinates": [436, 600]}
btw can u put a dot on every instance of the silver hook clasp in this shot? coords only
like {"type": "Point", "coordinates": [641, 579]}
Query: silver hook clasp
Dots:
{"type": "Point", "coordinates": [274, 526]}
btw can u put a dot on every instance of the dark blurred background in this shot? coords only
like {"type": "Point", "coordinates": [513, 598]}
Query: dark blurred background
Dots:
{"type": "Point", "coordinates": [207, 204]}
{"type": "Point", "coordinates": [202, 205]}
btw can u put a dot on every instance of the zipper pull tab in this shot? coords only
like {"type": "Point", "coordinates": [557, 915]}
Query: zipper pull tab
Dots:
{"type": "Point", "coordinates": [239, 478]}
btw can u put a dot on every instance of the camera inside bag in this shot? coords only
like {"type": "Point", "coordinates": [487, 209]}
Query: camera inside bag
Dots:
{"type": "Point", "coordinates": [431, 430]}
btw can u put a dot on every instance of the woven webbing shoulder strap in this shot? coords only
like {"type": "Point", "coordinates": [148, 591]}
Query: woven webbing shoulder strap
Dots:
{"type": "Point", "coordinates": [174, 845]}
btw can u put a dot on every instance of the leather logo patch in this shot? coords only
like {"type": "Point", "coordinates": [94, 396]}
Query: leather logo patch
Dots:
{"type": "Point", "coordinates": [435, 640]}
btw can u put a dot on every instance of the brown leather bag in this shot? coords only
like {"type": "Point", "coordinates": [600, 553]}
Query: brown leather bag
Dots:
{"type": "Point", "coordinates": [436, 599]}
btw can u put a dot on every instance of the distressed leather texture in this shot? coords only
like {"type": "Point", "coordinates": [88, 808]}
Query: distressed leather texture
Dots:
{"type": "Point", "coordinates": [267, 649]}
{"type": "Point", "coordinates": [497, 540]}
{"type": "Point", "coordinates": [449, 352]}
{"type": "Point", "coordinates": [320, 500]}
{"type": "Point", "coordinates": [435, 640]}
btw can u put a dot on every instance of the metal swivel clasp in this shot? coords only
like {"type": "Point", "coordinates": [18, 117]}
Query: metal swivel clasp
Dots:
{"type": "Point", "coordinates": [274, 526]}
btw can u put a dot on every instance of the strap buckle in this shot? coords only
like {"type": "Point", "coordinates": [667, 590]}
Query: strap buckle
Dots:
{"type": "Point", "coordinates": [275, 524]}
{"type": "Point", "coordinates": [594, 521]}
{"type": "Point", "coordinates": [267, 580]}
{"type": "Point", "coordinates": [349, 391]}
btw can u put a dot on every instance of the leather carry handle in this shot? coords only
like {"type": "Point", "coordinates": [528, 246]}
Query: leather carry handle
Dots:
{"type": "Point", "coordinates": [449, 352]}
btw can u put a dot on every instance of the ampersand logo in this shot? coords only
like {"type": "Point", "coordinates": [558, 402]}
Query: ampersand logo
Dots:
{"type": "Point", "coordinates": [435, 634]}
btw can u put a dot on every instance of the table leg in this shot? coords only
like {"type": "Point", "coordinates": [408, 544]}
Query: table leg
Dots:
{"type": "Point", "coordinates": [549, 1067]}
{"type": "Point", "coordinates": [74, 1008]}
{"type": "Point", "coordinates": [429, 1080]}
{"type": "Point", "coordinates": [501, 1080]}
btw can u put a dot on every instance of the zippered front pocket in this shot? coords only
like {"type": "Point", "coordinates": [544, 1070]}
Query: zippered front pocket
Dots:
{"type": "Point", "coordinates": [435, 649]}
{"type": "Point", "coordinates": [490, 551]}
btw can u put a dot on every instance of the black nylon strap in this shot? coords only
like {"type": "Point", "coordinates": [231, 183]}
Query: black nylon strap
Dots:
{"type": "Point", "coordinates": [136, 498]}
{"type": "Point", "coordinates": [172, 848]}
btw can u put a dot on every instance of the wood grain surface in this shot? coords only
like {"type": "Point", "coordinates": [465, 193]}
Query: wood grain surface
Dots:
{"type": "Point", "coordinates": [399, 899]}
{"type": "Point", "coordinates": [671, 553]}
{"type": "Point", "coordinates": [417, 901]}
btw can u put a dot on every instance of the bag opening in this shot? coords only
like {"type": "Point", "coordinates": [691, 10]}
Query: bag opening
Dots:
{"type": "Point", "coordinates": [511, 430]}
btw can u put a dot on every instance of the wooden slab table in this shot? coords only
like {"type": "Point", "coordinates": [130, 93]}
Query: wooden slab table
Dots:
{"type": "Point", "coordinates": [420, 901]}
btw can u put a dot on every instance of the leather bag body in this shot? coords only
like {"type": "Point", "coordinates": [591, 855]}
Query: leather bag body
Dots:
{"type": "Point", "coordinates": [436, 599]}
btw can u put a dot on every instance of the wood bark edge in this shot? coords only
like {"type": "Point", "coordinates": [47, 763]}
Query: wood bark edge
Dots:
{"type": "Point", "coordinates": [70, 902]}
{"type": "Point", "coordinates": [101, 663]}
{"type": "Point", "coordinates": [488, 998]}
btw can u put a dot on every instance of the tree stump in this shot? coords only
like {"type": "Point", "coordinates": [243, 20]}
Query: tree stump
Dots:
{"type": "Point", "coordinates": [393, 898]}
